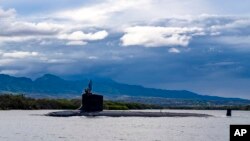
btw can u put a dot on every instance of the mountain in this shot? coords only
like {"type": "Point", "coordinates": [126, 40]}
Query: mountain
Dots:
{"type": "Point", "coordinates": [53, 86]}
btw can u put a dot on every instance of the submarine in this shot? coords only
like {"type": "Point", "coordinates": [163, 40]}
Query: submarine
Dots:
{"type": "Point", "coordinates": [92, 106]}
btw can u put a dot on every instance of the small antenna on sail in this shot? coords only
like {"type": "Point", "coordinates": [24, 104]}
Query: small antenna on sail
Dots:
{"type": "Point", "coordinates": [90, 86]}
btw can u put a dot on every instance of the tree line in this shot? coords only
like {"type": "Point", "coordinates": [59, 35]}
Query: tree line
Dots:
{"type": "Point", "coordinates": [10, 101]}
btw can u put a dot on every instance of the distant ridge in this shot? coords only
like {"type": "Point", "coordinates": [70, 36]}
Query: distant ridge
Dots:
{"type": "Point", "coordinates": [53, 86]}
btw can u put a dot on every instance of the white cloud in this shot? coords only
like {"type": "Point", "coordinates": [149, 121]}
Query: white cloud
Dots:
{"type": "Point", "coordinates": [174, 50]}
{"type": "Point", "coordinates": [80, 38]}
{"type": "Point", "coordinates": [144, 23]}
{"type": "Point", "coordinates": [76, 43]}
{"type": "Point", "coordinates": [13, 39]}
{"type": "Point", "coordinates": [79, 35]}
{"type": "Point", "coordinates": [92, 57]}
{"type": "Point", "coordinates": [99, 13]}
{"type": "Point", "coordinates": [113, 13]}
{"type": "Point", "coordinates": [235, 27]}
{"type": "Point", "coordinates": [19, 54]}
{"type": "Point", "coordinates": [154, 36]}
{"type": "Point", "coordinates": [7, 13]}
{"type": "Point", "coordinates": [11, 25]}
{"type": "Point", "coordinates": [15, 30]}
{"type": "Point", "coordinates": [28, 28]}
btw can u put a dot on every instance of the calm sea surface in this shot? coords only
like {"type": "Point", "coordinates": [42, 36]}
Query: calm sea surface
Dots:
{"type": "Point", "coordinates": [32, 126]}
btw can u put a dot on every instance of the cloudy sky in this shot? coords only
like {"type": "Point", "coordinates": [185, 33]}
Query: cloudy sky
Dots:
{"type": "Point", "coordinates": [197, 45]}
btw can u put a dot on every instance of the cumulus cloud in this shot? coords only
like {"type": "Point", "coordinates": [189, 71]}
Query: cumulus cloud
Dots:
{"type": "Point", "coordinates": [80, 38]}
{"type": "Point", "coordinates": [14, 29]}
{"type": "Point", "coordinates": [152, 36]}
{"type": "Point", "coordinates": [171, 32]}
{"type": "Point", "coordinates": [20, 28]}
{"type": "Point", "coordinates": [111, 13]}
{"type": "Point", "coordinates": [140, 29]}
{"type": "Point", "coordinates": [98, 14]}
{"type": "Point", "coordinates": [79, 35]}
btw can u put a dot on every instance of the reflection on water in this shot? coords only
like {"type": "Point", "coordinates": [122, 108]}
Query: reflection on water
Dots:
{"type": "Point", "coordinates": [32, 126]}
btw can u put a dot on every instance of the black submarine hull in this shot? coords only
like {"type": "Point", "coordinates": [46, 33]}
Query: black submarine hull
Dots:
{"type": "Point", "coordinates": [123, 113]}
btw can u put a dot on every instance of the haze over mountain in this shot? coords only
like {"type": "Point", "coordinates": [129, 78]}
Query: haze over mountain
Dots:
{"type": "Point", "coordinates": [53, 86]}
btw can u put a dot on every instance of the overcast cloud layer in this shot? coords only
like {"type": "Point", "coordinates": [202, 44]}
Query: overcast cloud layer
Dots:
{"type": "Point", "coordinates": [197, 45]}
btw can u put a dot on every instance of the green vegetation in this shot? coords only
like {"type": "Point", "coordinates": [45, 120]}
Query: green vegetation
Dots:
{"type": "Point", "coordinates": [235, 107]}
{"type": "Point", "coordinates": [8, 101]}
{"type": "Point", "coordinates": [111, 105]}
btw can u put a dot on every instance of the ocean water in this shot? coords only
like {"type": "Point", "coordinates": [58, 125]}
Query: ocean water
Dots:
{"type": "Point", "coordinates": [19, 125]}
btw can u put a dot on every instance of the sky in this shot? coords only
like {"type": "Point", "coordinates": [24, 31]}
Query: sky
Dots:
{"type": "Point", "coordinates": [197, 45]}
